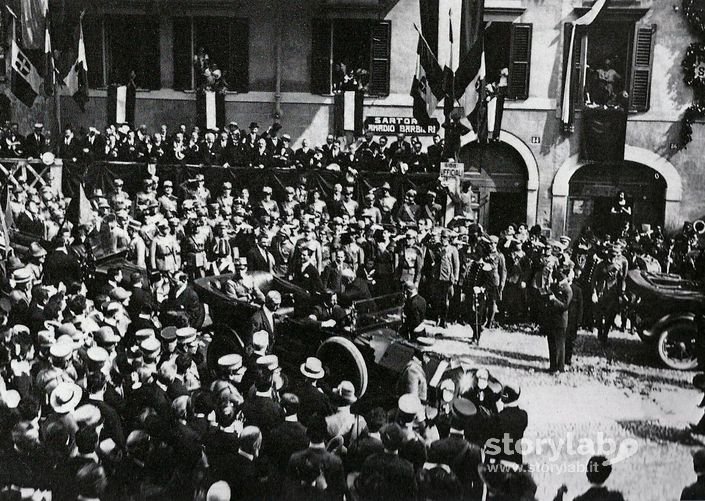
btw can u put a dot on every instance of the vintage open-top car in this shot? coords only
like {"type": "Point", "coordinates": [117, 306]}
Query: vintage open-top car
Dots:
{"type": "Point", "coordinates": [664, 309]}
{"type": "Point", "coordinates": [367, 349]}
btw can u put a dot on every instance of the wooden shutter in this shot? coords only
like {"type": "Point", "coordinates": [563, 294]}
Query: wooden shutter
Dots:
{"type": "Point", "coordinates": [239, 70]}
{"type": "Point", "coordinates": [642, 59]}
{"type": "Point", "coordinates": [183, 56]}
{"type": "Point", "coordinates": [320, 56]}
{"type": "Point", "coordinates": [380, 48]}
{"type": "Point", "coordinates": [519, 61]}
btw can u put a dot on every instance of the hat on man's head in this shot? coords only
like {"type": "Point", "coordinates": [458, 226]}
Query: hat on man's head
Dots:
{"type": "Point", "coordinates": [270, 362]}
{"type": "Point", "coordinates": [286, 137]}
{"type": "Point", "coordinates": [14, 264]}
{"type": "Point", "coordinates": [510, 394]}
{"type": "Point", "coordinates": [142, 334]}
{"type": "Point", "coordinates": [232, 361]}
{"type": "Point", "coordinates": [260, 340]}
{"type": "Point", "coordinates": [21, 276]}
{"type": "Point", "coordinates": [150, 346]}
{"type": "Point", "coordinates": [186, 335]}
{"type": "Point", "coordinates": [105, 336]}
{"type": "Point", "coordinates": [168, 333]}
{"type": "Point", "coordinates": [312, 368]}
{"type": "Point", "coordinates": [37, 250]}
{"type": "Point", "coordinates": [345, 393]}
{"type": "Point", "coordinates": [87, 415]}
{"type": "Point", "coordinates": [11, 399]}
{"type": "Point", "coordinates": [386, 186]}
{"type": "Point", "coordinates": [97, 355]}
{"type": "Point", "coordinates": [392, 436]}
{"type": "Point", "coordinates": [65, 397]}
{"type": "Point", "coordinates": [254, 125]}
{"type": "Point", "coordinates": [118, 182]}
{"type": "Point", "coordinates": [61, 350]}
{"type": "Point", "coordinates": [409, 404]}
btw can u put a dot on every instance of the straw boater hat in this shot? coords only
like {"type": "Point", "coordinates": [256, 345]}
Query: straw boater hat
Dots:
{"type": "Point", "coordinates": [65, 397]}
{"type": "Point", "coordinates": [313, 368]}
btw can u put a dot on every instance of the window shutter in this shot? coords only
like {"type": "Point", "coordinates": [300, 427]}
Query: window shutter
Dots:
{"type": "Point", "coordinates": [320, 56]}
{"type": "Point", "coordinates": [519, 61]}
{"type": "Point", "coordinates": [642, 59]}
{"type": "Point", "coordinates": [183, 57]}
{"type": "Point", "coordinates": [380, 47]}
{"type": "Point", "coordinates": [239, 71]}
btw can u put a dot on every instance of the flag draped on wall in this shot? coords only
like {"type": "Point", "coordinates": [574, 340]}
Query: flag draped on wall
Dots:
{"type": "Point", "coordinates": [470, 75]}
{"type": "Point", "coordinates": [77, 79]}
{"type": "Point", "coordinates": [567, 103]}
{"type": "Point", "coordinates": [33, 16]}
{"type": "Point", "coordinates": [121, 104]}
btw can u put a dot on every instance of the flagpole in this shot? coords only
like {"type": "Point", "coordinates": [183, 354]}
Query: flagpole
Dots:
{"type": "Point", "coordinates": [428, 47]}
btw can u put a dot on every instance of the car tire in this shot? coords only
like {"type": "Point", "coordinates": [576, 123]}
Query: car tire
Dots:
{"type": "Point", "coordinates": [677, 344]}
{"type": "Point", "coordinates": [343, 361]}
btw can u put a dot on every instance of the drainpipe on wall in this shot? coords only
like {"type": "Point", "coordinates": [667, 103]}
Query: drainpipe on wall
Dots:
{"type": "Point", "coordinates": [278, 63]}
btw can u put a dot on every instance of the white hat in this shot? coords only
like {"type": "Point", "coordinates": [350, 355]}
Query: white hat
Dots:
{"type": "Point", "coordinates": [61, 350]}
{"type": "Point", "coordinates": [186, 335]}
{"type": "Point", "coordinates": [65, 397]}
{"type": "Point", "coordinates": [150, 346]}
{"type": "Point", "coordinates": [231, 361]}
{"type": "Point", "coordinates": [260, 339]}
{"type": "Point", "coordinates": [12, 399]}
{"type": "Point", "coordinates": [313, 368]}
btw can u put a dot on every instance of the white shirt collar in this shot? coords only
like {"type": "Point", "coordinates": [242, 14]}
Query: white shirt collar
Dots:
{"type": "Point", "coordinates": [247, 455]}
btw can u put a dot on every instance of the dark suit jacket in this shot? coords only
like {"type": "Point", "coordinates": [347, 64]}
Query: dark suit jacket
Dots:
{"type": "Point", "coordinates": [308, 279]}
{"type": "Point", "coordinates": [331, 466]}
{"type": "Point", "coordinates": [604, 494]}
{"type": "Point", "coordinates": [140, 296]}
{"type": "Point", "coordinates": [311, 401]}
{"type": "Point", "coordinates": [257, 262]}
{"type": "Point", "coordinates": [33, 226]}
{"type": "Point", "coordinates": [284, 440]}
{"type": "Point", "coordinates": [61, 267]}
{"type": "Point", "coordinates": [263, 413]}
{"type": "Point", "coordinates": [386, 476]}
{"type": "Point", "coordinates": [463, 458]}
{"type": "Point", "coordinates": [70, 151]}
{"type": "Point", "coordinates": [512, 422]}
{"type": "Point", "coordinates": [355, 291]}
{"type": "Point", "coordinates": [190, 303]}
{"type": "Point", "coordinates": [575, 310]}
{"type": "Point", "coordinates": [33, 146]}
{"type": "Point", "coordinates": [414, 314]}
{"type": "Point", "coordinates": [556, 314]}
{"type": "Point", "coordinates": [113, 425]}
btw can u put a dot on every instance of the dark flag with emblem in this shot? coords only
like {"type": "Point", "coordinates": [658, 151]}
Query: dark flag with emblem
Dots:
{"type": "Point", "coordinates": [470, 75]}
{"type": "Point", "coordinates": [77, 79]}
{"type": "Point", "coordinates": [426, 89]}
{"type": "Point", "coordinates": [25, 81]}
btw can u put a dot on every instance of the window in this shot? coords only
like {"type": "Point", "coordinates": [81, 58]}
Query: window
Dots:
{"type": "Point", "coordinates": [348, 54]}
{"type": "Point", "coordinates": [612, 57]}
{"type": "Point", "coordinates": [226, 42]}
{"type": "Point", "coordinates": [117, 45]}
{"type": "Point", "coordinates": [508, 45]}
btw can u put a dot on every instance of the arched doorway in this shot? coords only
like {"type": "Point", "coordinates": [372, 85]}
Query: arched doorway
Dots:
{"type": "Point", "coordinates": [594, 187]}
{"type": "Point", "coordinates": [647, 160]}
{"type": "Point", "coordinates": [504, 181]}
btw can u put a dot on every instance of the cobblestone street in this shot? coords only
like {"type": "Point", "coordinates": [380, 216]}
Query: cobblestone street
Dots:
{"type": "Point", "coordinates": [619, 393]}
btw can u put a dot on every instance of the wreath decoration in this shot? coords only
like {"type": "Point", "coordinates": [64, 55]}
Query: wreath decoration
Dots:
{"type": "Point", "coordinates": [693, 65]}
{"type": "Point", "coordinates": [694, 11]}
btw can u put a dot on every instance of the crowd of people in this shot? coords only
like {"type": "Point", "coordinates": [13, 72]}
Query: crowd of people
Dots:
{"type": "Point", "coordinates": [108, 391]}
{"type": "Point", "coordinates": [229, 146]}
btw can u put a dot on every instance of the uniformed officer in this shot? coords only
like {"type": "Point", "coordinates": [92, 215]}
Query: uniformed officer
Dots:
{"type": "Point", "coordinates": [407, 211]}
{"type": "Point", "coordinates": [386, 203]}
{"type": "Point", "coordinates": [168, 203]}
{"type": "Point", "coordinates": [607, 286]}
{"type": "Point", "coordinates": [165, 250]}
{"type": "Point", "coordinates": [409, 260]}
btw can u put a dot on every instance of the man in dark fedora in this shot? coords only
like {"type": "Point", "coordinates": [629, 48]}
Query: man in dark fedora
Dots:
{"type": "Point", "coordinates": [343, 423]}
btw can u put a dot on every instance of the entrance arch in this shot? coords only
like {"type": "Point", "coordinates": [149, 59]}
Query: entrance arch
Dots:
{"type": "Point", "coordinates": [632, 154]}
{"type": "Point", "coordinates": [510, 171]}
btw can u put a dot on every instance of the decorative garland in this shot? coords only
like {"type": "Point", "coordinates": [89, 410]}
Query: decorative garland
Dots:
{"type": "Point", "coordinates": [694, 11]}
{"type": "Point", "coordinates": [693, 65]}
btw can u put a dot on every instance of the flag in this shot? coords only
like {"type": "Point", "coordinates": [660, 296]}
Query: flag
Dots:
{"type": "Point", "coordinates": [33, 18]}
{"type": "Point", "coordinates": [426, 88]}
{"type": "Point", "coordinates": [469, 80]}
{"type": "Point", "coordinates": [210, 109]}
{"type": "Point", "coordinates": [567, 103]}
{"type": "Point", "coordinates": [6, 220]}
{"type": "Point", "coordinates": [77, 79]}
{"type": "Point", "coordinates": [121, 104]}
{"type": "Point", "coordinates": [25, 81]}
{"type": "Point", "coordinates": [79, 211]}
{"type": "Point", "coordinates": [449, 71]}
{"type": "Point", "coordinates": [49, 63]}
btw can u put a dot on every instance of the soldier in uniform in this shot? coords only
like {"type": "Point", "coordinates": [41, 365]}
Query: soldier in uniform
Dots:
{"type": "Point", "coordinates": [119, 193]}
{"type": "Point", "coordinates": [498, 278]}
{"type": "Point", "coordinates": [137, 249]}
{"type": "Point", "coordinates": [165, 250]}
{"type": "Point", "coordinates": [409, 260]}
{"type": "Point", "coordinates": [447, 274]}
{"type": "Point", "coordinates": [430, 209]}
{"type": "Point", "coordinates": [475, 282]}
{"type": "Point", "coordinates": [541, 278]}
{"type": "Point", "coordinates": [144, 197]}
{"type": "Point", "coordinates": [406, 212]}
{"type": "Point", "coordinates": [168, 202]}
{"type": "Point", "coordinates": [607, 286]}
{"type": "Point", "coordinates": [241, 286]}
{"type": "Point", "coordinates": [194, 251]}
{"type": "Point", "coordinates": [267, 205]}
{"type": "Point", "coordinates": [386, 203]}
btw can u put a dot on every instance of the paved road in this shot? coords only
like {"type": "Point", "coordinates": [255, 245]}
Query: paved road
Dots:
{"type": "Point", "coordinates": [619, 393]}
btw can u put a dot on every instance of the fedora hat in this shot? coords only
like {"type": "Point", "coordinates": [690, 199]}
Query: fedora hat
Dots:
{"type": "Point", "coordinates": [313, 368]}
{"type": "Point", "coordinates": [37, 250]}
{"type": "Point", "coordinates": [345, 392]}
{"type": "Point", "coordinates": [14, 264]}
{"type": "Point", "coordinates": [65, 397]}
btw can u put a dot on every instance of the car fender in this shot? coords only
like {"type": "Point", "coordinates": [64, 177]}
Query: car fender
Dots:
{"type": "Point", "coordinates": [666, 320]}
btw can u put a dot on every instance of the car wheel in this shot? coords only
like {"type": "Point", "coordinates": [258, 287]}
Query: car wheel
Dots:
{"type": "Point", "coordinates": [677, 344]}
{"type": "Point", "coordinates": [343, 361]}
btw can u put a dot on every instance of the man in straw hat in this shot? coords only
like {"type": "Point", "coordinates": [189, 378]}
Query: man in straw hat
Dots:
{"type": "Point", "coordinates": [312, 397]}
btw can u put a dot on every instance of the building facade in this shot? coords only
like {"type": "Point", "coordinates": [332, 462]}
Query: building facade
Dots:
{"type": "Point", "coordinates": [282, 61]}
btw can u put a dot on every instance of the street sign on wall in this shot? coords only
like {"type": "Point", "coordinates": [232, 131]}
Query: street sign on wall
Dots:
{"type": "Point", "coordinates": [391, 126]}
